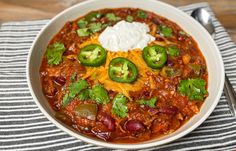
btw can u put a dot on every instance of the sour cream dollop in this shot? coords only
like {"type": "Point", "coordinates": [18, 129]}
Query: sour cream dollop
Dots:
{"type": "Point", "coordinates": [124, 36]}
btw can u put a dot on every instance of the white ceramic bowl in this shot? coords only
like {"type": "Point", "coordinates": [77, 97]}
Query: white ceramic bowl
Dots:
{"type": "Point", "coordinates": [204, 40]}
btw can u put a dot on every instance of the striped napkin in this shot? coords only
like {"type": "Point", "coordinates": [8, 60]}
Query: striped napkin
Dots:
{"type": "Point", "coordinates": [24, 127]}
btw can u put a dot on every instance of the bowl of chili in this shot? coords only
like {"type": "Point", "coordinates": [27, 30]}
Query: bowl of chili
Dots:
{"type": "Point", "coordinates": [124, 70]}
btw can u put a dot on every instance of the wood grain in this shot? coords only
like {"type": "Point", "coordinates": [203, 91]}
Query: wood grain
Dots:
{"type": "Point", "coordinates": [19, 10]}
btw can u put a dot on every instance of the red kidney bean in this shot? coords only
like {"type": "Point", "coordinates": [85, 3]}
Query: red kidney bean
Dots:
{"type": "Point", "coordinates": [156, 21]}
{"type": "Point", "coordinates": [60, 80]}
{"type": "Point", "coordinates": [181, 37]}
{"type": "Point", "coordinates": [68, 52]}
{"type": "Point", "coordinates": [153, 111]}
{"type": "Point", "coordinates": [134, 126]}
{"type": "Point", "coordinates": [145, 93]}
{"type": "Point", "coordinates": [112, 94]}
{"type": "Point", "coordinates": [159, 39]}
{"type": "Point", "coordinates": [108, 121]}
{"type": "Point", "coordinates": [51, 93]}
{"type": "Point", "coordinates": [170, 62]}
{"type": "Point", "coordinates": [172, 110]}
{"type": "Point", "coordinates": [103, 135]}
{"type": "Point", "coordinates": [103, 20]}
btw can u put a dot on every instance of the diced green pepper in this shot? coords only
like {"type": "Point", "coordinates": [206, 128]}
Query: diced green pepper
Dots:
{"type": "Point", "coordinates": [142, 14]}
{"type": "Point", "coordinates": [165, 31]}
{"type": "Point", "coordinates": [83, 32]}
{"type": "Point", "coordinates": [112, 17]}
{"type": "Point", "coordinates": [95, 27]}
{"type": "Point", "coordinates": [196, 69]}
{"type": "Point", "coordinates": [88, 111]}
{"type": "Point", "coordinates": [93, 16]}
{"type": "Point", "coordinates": [82, 23]}
{"type": "Point", "coordinates": [170, 72]}
{"type": "Point", "coordinates": [173, 51]}
{"type": "Point", "coordinates": [129, 18]}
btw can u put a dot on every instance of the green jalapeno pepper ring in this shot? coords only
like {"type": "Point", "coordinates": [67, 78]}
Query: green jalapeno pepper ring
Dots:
{"type": "Point", "coordinates": [122, 70]}
{"type": "Point", "coordinates": [155, 56]}
{"type": "Point", "coordinates": [92, 55]}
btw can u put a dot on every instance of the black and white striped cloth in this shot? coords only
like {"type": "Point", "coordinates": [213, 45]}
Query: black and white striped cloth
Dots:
{"type": "Point", "coordinates": [24, 127]}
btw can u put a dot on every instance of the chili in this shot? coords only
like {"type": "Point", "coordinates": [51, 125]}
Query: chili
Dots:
{"type": "Point", "coordinates": [157, 103]}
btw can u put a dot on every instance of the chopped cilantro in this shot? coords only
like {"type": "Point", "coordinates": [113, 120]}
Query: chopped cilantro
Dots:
{"type": "Point", "coordinates": [119, 106]}
{"type": "Point", "coordinates": [150, 103]}
{"type": "Point", "coordinates": [74, 89]}
{"type": "Point", "coordinates": [66, 99]}
{"type": "Point", "coordinates": [84, 32]}
{"type": "Point", "coordinates": [165, 31]}
{"type": "Point", "coordinates": [54, 53]}
{"type": "Point", "coordinates": [173, 51]}
{"type": "Point", "coordinates": [95, 27]}
{"type": "Point", "coordinates": [73, 76]}
{"type": "Point", "coordinates": [112, 17]}
{"type": "Point", "coordinates": [129, 18]}
{"type": "Point", "coordinates": [142, 14]}
{"type": "Point", "coordinates": [99, 94]}
{"type": "Point", "coordinates": [84, 95]}
{"type": "Point", "coordinates": [193, 88]}
{"type": "Point", "coordinates": [82, 23]}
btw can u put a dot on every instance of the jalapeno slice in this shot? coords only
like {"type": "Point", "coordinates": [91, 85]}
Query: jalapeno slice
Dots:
{"type": "Point", "coordinates": [122, 70]}
{"type": "Point", "coordinates": [155, 56]}
{"type": "Point", "coordinates": [92, 55]}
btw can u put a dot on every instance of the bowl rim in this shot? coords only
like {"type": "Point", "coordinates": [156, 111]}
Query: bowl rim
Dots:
{"type": "Point", "coordinates": [125, 146]}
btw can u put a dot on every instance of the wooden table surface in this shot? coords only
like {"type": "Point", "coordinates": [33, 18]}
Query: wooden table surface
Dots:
{"type": "Point", "coordinates": [19, 10]}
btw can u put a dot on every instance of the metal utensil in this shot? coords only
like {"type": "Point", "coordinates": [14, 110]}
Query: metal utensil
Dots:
{"type": "Point", "coordinates": [205, 19]}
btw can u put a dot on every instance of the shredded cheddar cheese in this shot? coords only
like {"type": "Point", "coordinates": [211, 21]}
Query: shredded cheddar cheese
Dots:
{"type": "Point", "coordinates": [100, 74]}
